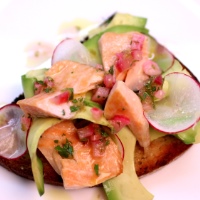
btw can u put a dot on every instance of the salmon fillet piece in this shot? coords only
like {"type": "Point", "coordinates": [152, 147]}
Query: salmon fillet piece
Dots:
{"type": "Point", "coordinates": [80, 77]}
{"type": "Point", "coordinates": [78, 172]}
{"type": "Point", "coordinates": [41, 105]}
{"type": "Point", "coordinates": [123, 101]}
{"type": "Point", "coordinates": [66, 74]}
{"type": "Point", "coordinates": [135, 77]}
{"type": "Point", "coordinates": [111, 44]}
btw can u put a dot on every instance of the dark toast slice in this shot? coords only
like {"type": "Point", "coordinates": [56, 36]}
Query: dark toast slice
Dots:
{"type": "Point", "coordinates": [161, 151]}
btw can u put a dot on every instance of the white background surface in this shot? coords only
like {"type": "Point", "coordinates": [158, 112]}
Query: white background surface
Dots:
{"type": "Point", "coordinates": [174, 23]}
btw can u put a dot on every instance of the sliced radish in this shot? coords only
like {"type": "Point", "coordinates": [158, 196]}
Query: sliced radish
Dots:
{"type": "Point", "coordinates": [180, 109]}
{"type": "Point", "coordinates": [163, 58]}
{"type": "Point", "coordinates": [161, 55]}
{"type": "Point", "coordinates": [119, 144]}
{"type": "Point", "coordinates": [12, 137]}
{"type": "Point", "coordinates": [71, 49]}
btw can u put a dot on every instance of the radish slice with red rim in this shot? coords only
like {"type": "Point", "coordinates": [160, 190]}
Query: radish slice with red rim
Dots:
{"type": "Point", "coordinates": [71, 49]}
{"type": "Point", "coordinates": [119, 144]}
{"type": "Point", "coordinates": [12, 137]}
{"type": "Point", "coordinates": [180, 109]}
{"type": "Point", "coordinates": [163, 58]}
{"type": "Point", "coordinates": [161, 55]}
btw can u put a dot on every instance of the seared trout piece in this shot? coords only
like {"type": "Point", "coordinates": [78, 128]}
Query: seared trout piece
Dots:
{"type": "Point", "coordinates": [123, 101]}
{"type": "Point", "coordinates": [78, 170]}
{"type": "Point", "coordinates": [65, 74]}
{"type": "Point", "coordinates": [113, 44]}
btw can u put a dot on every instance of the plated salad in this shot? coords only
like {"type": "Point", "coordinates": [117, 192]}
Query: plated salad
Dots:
{"type": "Point", "coordinates": [102, 102]}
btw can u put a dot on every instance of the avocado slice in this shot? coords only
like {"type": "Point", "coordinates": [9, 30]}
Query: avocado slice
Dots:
{"type": "Point", "coordinates": [127, 19]}
{"type": "Point", "coordinates": [37, 128]}
{"type": "Point", "coordinates": [126, 185]}
{"type": "Point", "coordinates": [119, 19]}
{"type": "Point", "coordinates": [39, 125]}
{"type": "Point", "coordinates": [191, 135]}
{"type": "Point", "coordinates": [86, 114]}
{"type": "Point", "coordinates": [29, 79]}
{"type": "Point", "coordinates": [92, 43]}
{"type": "Point", "coordinates": [176, 67]}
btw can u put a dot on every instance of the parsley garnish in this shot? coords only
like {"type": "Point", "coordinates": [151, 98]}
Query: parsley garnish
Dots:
{"type": "Point", "coordinates": [40, 82]}
{"type": "Point", "coordinates": [71, 92]}
{"type": "Point", "coordinates": [104, 134]}
{"type": "Point", "coordinates": [55, 141]}
{"type": "Point", "coordinates": [96, 169]}
{"type": "Point", "coordinates": [74, 101]}
{"type": "Point", "coordinates": [107, 142]}
{"type": "Point", "coordinates": [78, 104]}
{"type": "Point", "coordinates": [47, 90]}
{"type": "Point", "coordinates": [92, 104]}
{"type": "Point", "coordinates": [66, 150]}
{"type": "Point", "coordinates": [148, 91]}
{"type": "Point", "coordinates": [111, 70]}
{"type": "Point", "coordinates": [74, 108]}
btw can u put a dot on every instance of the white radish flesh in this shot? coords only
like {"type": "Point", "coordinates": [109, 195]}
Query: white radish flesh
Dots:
{"type": "Point", "coordinates": [71, 49]}
{"type": "Point", "coordinates": [180, 109]}
{"type": "Point", "coordinates": [119, 144]}
{"type": "Point", "coordinates": [12, 137]}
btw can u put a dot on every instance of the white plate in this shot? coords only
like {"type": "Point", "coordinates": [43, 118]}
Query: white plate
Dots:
{"type": "Point", "coordinates": [174, 23]}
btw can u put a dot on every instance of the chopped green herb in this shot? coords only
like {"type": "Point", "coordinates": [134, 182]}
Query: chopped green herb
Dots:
{"type": "Point", "coordinates": [78, 104]}
{"type": "Point", "coordinates": [40, 82]}
{"type": "Point", "coordinates": [153, 88]}
{"type": "Point", "coordinates": [92, 104]}
{"type": "Point", "coordinates": [74, 108]}
{"type": "Point", "coordinates": [147, 92]}
{"type": "Point", "coordinates": [107, 142]}
{"type": "Point", "coordinates": [74, 101]}
{"type": "Point", "coordinates": [47, 90]}
{"type": "Point", "coordinates": [111, 70]}
{"type": "Point", "coordinates": [80, 99]}
{"type": "Point", "coordinates": [66, 150]}
{"type": "Point", "coordinates": [104, 134]}
{"type": "Point", "coordinates": [96, 169]}
{"type": "Point", "coordinates": [144, 96]}
{"type": "Point", "coordinates": [56, 141]}
{"type": "Point", "coordinates": [71, 91]}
